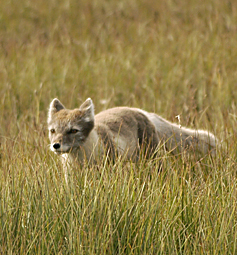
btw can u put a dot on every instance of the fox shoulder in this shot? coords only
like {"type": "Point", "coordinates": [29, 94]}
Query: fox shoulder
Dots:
{"type": "Point", "coordinates": [129, 124]}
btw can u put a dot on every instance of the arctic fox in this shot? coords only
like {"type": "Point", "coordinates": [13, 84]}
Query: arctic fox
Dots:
{"type": "Point", "coordinates": [80, 135]}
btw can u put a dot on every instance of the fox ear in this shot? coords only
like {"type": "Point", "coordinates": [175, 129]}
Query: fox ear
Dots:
{"type": "Point", "coordinates": [54, 107]}
{"type": "Point", "coordinates": [88, 109]}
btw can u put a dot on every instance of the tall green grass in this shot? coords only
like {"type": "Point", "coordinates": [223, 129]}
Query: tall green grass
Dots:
{"type": "Point", "coordinates": [174, 58]}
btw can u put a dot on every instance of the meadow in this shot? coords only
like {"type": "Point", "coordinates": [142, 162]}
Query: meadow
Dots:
{"type": "Point", "coordinates": [169, 57]}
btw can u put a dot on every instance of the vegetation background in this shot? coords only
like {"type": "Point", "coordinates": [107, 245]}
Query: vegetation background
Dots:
{"type": "Point", "coordinates": [171, 57]}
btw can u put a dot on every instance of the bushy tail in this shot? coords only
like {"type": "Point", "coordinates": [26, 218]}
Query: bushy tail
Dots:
{"type": "Point", "coordinates": [178, 138]}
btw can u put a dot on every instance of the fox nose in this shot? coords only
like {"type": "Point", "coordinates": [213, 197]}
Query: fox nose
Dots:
{"type": "Point", "coordinates": [56, 146]}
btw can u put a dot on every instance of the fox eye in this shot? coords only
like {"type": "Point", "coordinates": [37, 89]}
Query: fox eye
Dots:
{"type": "Point", "coordinates": [73, 131]}
{"type": "Point", "coordinates": [52, 131]}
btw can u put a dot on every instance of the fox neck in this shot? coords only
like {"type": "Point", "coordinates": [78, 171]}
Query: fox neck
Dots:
{"type": "Point", "coordinates": [89, 151]}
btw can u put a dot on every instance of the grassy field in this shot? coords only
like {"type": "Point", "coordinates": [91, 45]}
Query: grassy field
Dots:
{"type": "Point", "coordinates": [171, 57]}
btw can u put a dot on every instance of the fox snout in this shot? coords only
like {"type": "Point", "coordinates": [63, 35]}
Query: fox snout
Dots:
{"type": "Point", "coordinates": [59, 147]}
{"type": "Point", "coordinates": [57, 143]}
{"type": "Point", "coordinates": [56, 146]}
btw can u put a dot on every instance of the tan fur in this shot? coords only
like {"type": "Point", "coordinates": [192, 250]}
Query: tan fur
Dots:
{"type": "Point", "coordinates": [78, 135]}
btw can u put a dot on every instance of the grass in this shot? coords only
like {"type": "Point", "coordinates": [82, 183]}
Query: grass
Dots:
{"type": "Point", "coordinates": [163, 56]}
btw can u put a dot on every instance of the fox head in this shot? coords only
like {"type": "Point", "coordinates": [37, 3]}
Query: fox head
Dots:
{"type": "Point", "coordinates": [68, 129]}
